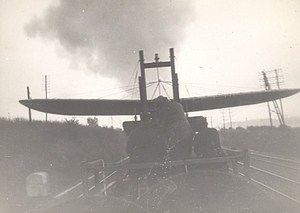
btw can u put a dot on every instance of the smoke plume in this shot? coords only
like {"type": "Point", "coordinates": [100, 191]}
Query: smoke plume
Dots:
{"type": "Point", "coordinates": [107, 34]}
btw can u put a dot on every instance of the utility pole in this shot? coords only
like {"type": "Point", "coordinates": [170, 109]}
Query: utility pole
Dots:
{"type": "Point", "coordinates": [29, 109]}
{"type": "Point", "coordinates": [223, 115]}
{"type": "Point", "coordinates": [267, 86]}
{"type": "Point", "coordinates": [270, 114]}
{"type": "Point", "coordinates": [280, 101]}
{"type": "Point", "coordinates": [211, 122]}
{"type": "Point", "coordinates": [229, 113]}
{"type": "Point", "coordinates": [112, 122]}
{"type": "Point", "coordinates": [46, 93]}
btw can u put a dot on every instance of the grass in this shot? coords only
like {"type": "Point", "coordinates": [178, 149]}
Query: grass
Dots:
{"type": "Point", "coordinates": [59, 147]}
{"type": "Point", "coordinates": [55, 147]}
{"type": "Point", "coordinates": [282, 141]}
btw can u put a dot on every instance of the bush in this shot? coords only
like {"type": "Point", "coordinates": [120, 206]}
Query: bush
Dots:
{"type": "Point", "coordinates": [93, 122]}
{"type": "Point", "coordinates": [73, 121]}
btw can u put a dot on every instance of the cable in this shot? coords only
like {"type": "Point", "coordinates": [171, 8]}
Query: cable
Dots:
{"type": "Point", "coordinates": [155, 91]}
{"type": "Point", "coordinates": [119, 92]}
{"type": "Point", "coordinates": [134, 73]}
{"type": "Point", "coordinates": [165, 90]}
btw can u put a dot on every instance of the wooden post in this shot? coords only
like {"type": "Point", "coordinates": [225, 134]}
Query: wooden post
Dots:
{"type": "Point", "coordinates": [96, 177]}
{"type": "Point", "coordinates": [174, 76]}
{"type": "Point", "coordinates": [142, 84]}
{"type": "Point", "coordinates": [29, 109]}
{"type": "Point", "coordinates": [103, 178]}
{"type": "Point", "coordinates": [246, 163]}
{"type": "Point", "coordinates": [235, 167]}
{"type": "Point", "coordinates": [84, 177]}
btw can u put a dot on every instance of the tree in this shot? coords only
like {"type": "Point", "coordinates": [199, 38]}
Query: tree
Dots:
{"type": "Point", "coordinates": [72, 121]}
{"type": "Point", "coordinates": [93, 122]}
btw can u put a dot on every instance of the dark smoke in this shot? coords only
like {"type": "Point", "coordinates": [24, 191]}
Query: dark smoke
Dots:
{"type": "Point", "coordinates": [107, 34]}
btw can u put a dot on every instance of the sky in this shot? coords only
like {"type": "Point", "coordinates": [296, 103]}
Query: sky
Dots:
{"type": "Point", "coordinates": [89, 49]}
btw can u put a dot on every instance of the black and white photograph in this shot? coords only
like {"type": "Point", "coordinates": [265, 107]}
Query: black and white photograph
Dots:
{"type": "Point", "coordinates": [149, 106]}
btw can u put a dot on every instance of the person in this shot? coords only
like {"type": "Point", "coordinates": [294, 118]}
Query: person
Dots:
{"type": "Point", "coordinates": [145, 144]}
{"type": "Point", "coordinates": [166, 136]}
{"type": "Point", "coordinates": [207, 144]}
{"type": "Point", "coordinates": [176, 127]}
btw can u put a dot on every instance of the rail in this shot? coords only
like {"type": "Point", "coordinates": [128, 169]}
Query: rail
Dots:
{"type": "Point", "coordinates": [273, 160]}
{"type": "Point", "coordinates": [280, 158]}
{"type": "Point", "coordinates": [275, 163]}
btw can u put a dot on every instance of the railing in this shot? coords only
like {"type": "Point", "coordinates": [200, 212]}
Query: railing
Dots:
{"type": "Point", "coordinates": [86, 179]}
{"type": "Point", "coordinates": [94, 167]}
{"type": "Point", "coordinates": [99, 167]}
{"type": "Point", "coordinates": [247, 164]}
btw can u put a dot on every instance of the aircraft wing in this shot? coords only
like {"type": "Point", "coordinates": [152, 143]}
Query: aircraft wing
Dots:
{"type": "Point", "coordinates": [84, 106]}
{"type": "Point", "coordinates": [132, 107]}
{"type": "Point", "coordinates": [233, 100]}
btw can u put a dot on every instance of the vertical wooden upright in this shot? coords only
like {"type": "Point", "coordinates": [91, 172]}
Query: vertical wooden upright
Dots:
{"type": "Point", "coordinates": [246, 164]}
{"type": "Point", "coordinates": [142, 85]}
{"type": "Point", "coordinates": [84, 178]}
{"type": "Point", "coordinates": [174, 76]}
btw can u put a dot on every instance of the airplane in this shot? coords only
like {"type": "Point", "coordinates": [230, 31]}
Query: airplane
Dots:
{"type": "Point", "coordinates": [94, 107]}
{"type": "Point", "coordinates": [142, 107]}
{"type": "Point", "coordinates": [147, 109]}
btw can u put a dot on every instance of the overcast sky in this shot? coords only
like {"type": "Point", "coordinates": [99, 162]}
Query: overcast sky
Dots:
{"type": "Point", "coordinates": [90, 49]}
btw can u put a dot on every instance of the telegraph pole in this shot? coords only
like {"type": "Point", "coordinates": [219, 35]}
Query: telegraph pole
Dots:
{"type": "Point", "coordinates": [267, 85]}
{"type": "Point", "coordinates": [29, 109]}
{"type": "Point", "coordinates": [270, 114]}
{"type": "Point", "coordinates": [223, 115]}
{"type": "Point", "coordinates": [46, 93]}
{"type": "Point", "coordinates": [280, 101]}
{"type": "Point", "coordinates": [229, 113]}
{"type": "Point", "coordinates": [211, 122]}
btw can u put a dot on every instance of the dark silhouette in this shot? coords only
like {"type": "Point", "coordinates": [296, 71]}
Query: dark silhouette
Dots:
{"type": "Point", "coordinates": [206, 144]}
{"type": "Point", "coordinates": [176, 127]}
{"type": "Point", "coordinates": [146, 143]}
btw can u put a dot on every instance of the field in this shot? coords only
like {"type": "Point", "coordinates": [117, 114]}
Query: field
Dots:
{"type": "Point", "coordinates": [280, 141]}
{"type": "Point", "coordinates": [56, 148]}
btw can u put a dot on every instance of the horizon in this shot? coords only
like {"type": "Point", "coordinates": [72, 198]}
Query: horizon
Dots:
{"type": "Point", "coordinates": [292, 122]}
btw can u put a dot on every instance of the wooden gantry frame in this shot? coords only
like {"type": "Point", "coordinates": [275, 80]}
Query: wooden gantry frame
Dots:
{"type": "Point", "coordinates": [142, 78]}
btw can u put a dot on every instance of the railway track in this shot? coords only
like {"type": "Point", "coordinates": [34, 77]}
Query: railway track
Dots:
{"type": "Point", "coordinates": [277, 176]}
